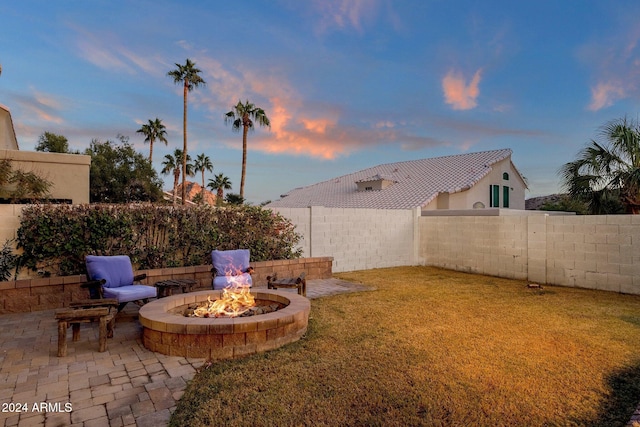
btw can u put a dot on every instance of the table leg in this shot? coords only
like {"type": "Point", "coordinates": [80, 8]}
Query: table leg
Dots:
{"type": "Point", "coordinates": [62, 338]}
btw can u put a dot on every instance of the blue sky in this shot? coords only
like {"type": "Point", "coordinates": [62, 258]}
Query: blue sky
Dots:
{"type": "Point", "coordinates": [347, 84]}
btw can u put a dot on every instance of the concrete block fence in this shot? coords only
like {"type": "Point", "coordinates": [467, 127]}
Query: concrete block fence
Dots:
{"type": "Point", "coordinates": [594, 252]}
{"type": "Point", "coordinates": [56, 292]}
{"type": "Point", "coordinates": [357, 239]}
{"type": "Point", "coordinates": [586, 251]}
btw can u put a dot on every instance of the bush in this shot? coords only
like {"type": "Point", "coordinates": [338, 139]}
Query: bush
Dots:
{"type": "Point", "coordinates": [56, 238]}
{"type": "Point", "coordinates": [7, 260]}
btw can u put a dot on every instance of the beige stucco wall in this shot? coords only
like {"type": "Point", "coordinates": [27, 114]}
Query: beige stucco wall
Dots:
{"type": "Point", "coordinates": [480, 191]}
{"type": "Point", "coordinates": [69, 173]}
{"type": "Point", "coordinates": [9, 221]}
{"type": "Point", "coordinates": [7, 133]}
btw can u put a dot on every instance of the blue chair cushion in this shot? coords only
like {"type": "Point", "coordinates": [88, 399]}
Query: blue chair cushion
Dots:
{"type": "Point", "coordinates": [130, 293]}
{"type": "Point", "coordinates": [230, 263]}
{"type": "Point", "coordinates": [231, 266]}
{"type": "Point", "coordinates": [116, 270]}
{"type": "Point", "coordinates": [118, 274]}
{"type": "Point", "coordinates": [221, 282]}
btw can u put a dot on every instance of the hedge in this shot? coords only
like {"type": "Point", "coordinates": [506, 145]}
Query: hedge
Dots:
{"type": "Point", "coordinates": [56, 238]}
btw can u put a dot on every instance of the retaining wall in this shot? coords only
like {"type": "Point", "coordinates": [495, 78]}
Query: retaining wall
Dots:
{"type": "Point", "coordinates": [56, 292]}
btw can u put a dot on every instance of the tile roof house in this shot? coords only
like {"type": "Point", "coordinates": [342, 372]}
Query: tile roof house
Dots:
{"type": "Point", "coordinates": [485, 179]}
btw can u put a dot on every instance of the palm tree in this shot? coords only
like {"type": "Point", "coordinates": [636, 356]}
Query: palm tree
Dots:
{"type": "Point", "coordinates": [202, 164]}
{"type": "Point", "coordinates": [242, 116]}
{"type": "Point", "coordinates": [154, 130]}
{"type": "Point", "coordinates": [219, 184]}
{"type": "Point", "coordinates": [606, 174]}
{"type": "Point", "coordinates": [173, 164]}
{"type": "Point", "coordinates": [189, 75]}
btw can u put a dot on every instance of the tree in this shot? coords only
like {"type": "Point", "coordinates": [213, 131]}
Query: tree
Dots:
{"type": "Point", "coordinates": [242, 116]}
{"type": "Point", "coordinates": [219, 184]}
{"type": "Point", "coordinates": [119, 174]}
{"type": "Point", "coordinates": [234, 199]}
{"type": "Point", "coordinates": [153, 130]}
{"type": "Point", "coordinates": [202, 164]}
{"type": "Point", "coordinates": [606, 174]}
{"type": "Point", "coordinates": [189, 76]}
{"type": "Point", "coordinates": [19, 186]}
{"type": "Point", "coordinates": [173, 164]}
{"type": "Point", "coordinates": [52, 143]}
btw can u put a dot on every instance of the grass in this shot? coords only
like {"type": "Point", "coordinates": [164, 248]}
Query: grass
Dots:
{"type": "Point", "coordinates": [432, 347]}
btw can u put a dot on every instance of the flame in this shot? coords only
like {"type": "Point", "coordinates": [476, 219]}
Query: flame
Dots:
{"type": "Point", "coordinates": [235, 300]}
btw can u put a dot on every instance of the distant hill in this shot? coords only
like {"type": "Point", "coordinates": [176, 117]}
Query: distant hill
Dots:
{"type": "Point", "coordinates": [193, 189]}
{"type": "Point", "coordinates": [535, 203]}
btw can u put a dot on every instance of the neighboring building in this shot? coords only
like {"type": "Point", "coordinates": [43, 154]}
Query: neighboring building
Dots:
{"type": "Point", "coordinates": [8, 139]}
{"type": "Point", "coordinates": [68, 173]}
{"type": "Point", "coordinates": [486, 179]}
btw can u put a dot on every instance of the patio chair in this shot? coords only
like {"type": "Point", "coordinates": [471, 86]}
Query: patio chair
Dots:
{"type": "Point", "coordinates": [231, 267]}
{"type": "Point", "coordinates": [116, 279]}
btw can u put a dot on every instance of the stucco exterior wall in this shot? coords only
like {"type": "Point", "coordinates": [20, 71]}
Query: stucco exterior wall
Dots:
{"type": "Point", "coordinates": [9, 221]}
{"type": "Point", "coordinates": [357, 239]}
{"type": "Point", "coordinates": [480, 191]}
{"type": "Point", "coordinates": [69, 173]}
{"type": "Point", "coordinates": [7, 133]}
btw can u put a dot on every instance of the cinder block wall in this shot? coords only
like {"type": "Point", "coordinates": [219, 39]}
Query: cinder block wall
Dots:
{"type": "Point", "coordinates": [357, 239]}
{"type": "Point", "coordinates": [597, 252]}
{"type": "Point", "coordinates": [594, 252]}
{"type": "Point", "coordinates": [495, 246]}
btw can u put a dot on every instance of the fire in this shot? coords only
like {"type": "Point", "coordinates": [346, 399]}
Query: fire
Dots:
{"type": "Point", "coordinates": [235, 300]}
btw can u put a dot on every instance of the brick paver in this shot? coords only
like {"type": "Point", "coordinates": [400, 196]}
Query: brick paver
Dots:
{"type": "Point", "coordinates": [127, 385]}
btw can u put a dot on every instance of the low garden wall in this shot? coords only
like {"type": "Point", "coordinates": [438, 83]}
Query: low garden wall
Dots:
{"type": "Point", "coordinates": [28, 295]}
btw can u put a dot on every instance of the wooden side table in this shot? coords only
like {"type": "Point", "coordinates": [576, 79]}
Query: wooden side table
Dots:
{"type": "Point", "coordinates": [73, 317]}
{"type": "Point", "coordinates": [299, 283]}
{"type": "Point", "coordinates": [167, 287]}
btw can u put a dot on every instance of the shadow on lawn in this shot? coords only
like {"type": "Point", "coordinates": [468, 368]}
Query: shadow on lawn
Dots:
{"type": "Point", "coordinates": [623, 400]}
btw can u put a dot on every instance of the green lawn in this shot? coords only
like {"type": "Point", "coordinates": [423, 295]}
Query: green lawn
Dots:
{"type": "Point", "coordinates": [437, 348]}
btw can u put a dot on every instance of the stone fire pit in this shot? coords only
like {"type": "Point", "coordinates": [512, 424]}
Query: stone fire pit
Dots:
{"type": "Point", "coordinates": [222, 338]}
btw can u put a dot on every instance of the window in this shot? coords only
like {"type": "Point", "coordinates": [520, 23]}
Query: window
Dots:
{"type": "Point", "coordinates": [505, 196]}
{"type": "Point", "coordinates": [494, 196]}
{"type": "Point", "coordinates": [368, 188]}
{"type": "Point", "coordinates": [505, 176]}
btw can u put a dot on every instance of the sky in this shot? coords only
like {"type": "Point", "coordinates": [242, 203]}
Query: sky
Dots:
{"type": "Point", "coordinates": [346, 84]}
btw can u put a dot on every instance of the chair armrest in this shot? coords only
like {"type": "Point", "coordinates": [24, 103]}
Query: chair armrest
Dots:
{"type": "Point", "coordinates": [139, 277]}
{"type": "Point", "coordinates": [249, 270]}
{"type": "Point", "coordinates": [95, 288]}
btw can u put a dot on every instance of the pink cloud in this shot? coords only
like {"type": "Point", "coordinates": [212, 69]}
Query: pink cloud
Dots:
{"type": "Point", "coordinates": [345, 13]}
{"type": "Point", "coordinates": [604, 94]}
{"type": "Point", "coordinates": [317, 125]}
{"type": "Point", "coordinates": [459, 94]}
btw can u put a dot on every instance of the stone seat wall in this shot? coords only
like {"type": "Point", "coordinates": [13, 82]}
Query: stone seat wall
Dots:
{"type": "Point", "coordinates": [23, 296]}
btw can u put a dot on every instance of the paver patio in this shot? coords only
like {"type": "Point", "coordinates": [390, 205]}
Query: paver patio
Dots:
{"type": "Point", "coordinates": [127, 385]}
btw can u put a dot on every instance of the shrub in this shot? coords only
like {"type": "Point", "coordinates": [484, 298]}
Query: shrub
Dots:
{"type": "Point", "coordinates": [7, 260]}
{"type": "Point", "coordinates": [56, 238]}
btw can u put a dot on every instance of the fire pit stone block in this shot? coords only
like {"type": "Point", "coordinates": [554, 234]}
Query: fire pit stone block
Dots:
{"type": "Point", "coordinates": [222, 338]}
